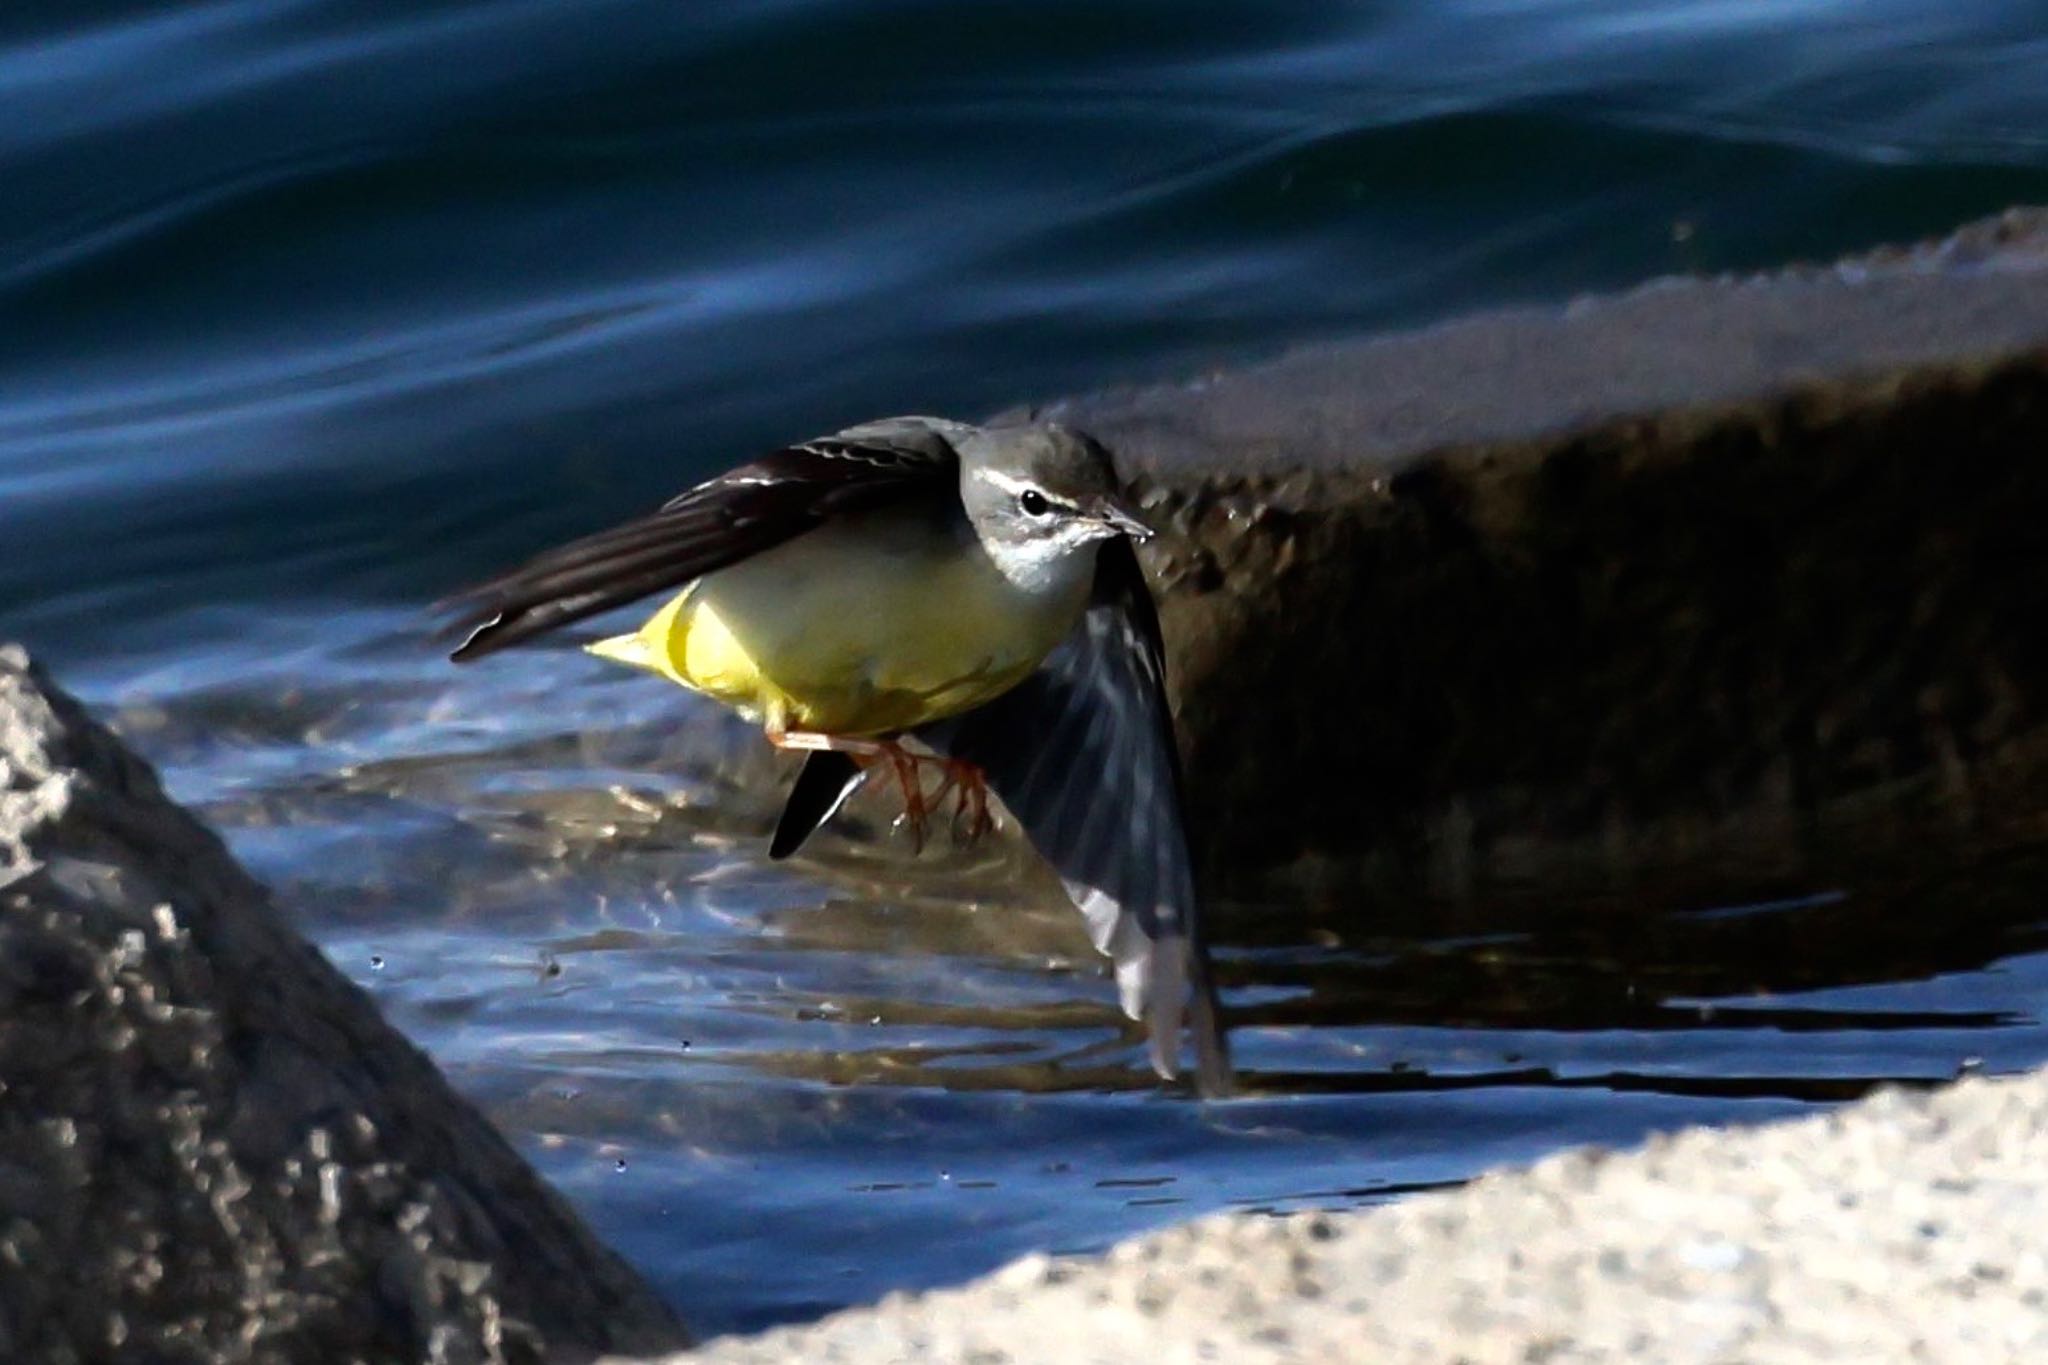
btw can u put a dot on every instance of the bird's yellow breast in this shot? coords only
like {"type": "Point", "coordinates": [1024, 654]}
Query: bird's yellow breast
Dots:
{"type": "Point", "coordinates": [858, 628]}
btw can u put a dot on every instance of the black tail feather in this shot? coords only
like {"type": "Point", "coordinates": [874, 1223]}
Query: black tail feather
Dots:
{"type": "Point", "coordinates": [822, 786]}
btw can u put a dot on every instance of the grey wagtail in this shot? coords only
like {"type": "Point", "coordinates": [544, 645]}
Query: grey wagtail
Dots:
{"type": "Point", "coordinates": [972, 590]}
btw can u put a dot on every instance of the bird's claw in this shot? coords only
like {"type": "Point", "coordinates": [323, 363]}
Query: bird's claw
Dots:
{"type": "Point", "coordinates": [971, 819]}
{"type": "Point", "coordinates": [969, 788]}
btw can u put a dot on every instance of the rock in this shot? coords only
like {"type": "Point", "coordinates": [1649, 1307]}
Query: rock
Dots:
{"type": "Point", "coordinates": [211, 1147]}
{"type": "Point", "coordinates": [1703, 590]}
{"type": "Point", "coordinates": [1903, 1228]}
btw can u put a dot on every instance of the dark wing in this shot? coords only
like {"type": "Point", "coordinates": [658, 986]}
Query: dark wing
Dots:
{"type": "Point", "coordinates": [1083, 754]}
{"type": "Point", "coordinates": [719, 522]}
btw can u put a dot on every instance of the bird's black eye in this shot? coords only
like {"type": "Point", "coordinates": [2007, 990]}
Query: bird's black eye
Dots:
{"type": "Point", "coordinates": [1034, 503]}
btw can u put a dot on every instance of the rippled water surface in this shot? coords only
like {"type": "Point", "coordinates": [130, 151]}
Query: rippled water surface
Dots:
{"type": "Point", "coordinates": [310, 311]}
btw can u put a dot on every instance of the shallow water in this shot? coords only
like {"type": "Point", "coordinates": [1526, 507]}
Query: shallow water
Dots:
{"type": "Point", "coordinates": [309, 312]}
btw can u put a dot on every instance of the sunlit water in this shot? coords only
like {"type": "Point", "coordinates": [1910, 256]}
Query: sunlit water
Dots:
{"type": "Point", "coordinates": [309, 312]}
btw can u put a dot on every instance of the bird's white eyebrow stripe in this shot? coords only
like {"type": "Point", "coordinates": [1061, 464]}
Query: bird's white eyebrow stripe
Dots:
{"type": "Point", "coordinates": [1004, 481]}
{"type": "Point", "coordinates": [1012, 485]}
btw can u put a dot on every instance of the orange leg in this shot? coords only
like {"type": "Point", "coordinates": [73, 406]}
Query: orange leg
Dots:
{"type": "Point", "coordinates": [971, 818]}
{"type": "Point", "coordinates": [971, 803]}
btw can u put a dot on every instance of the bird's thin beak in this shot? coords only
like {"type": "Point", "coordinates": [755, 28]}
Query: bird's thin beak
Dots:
{"type": "Point", "coordinates": [1114, 514]}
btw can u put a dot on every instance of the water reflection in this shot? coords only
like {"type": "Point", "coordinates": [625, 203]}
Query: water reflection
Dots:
{"type": "Point", "coordinates": [782, 1087]}
{"type": "Point", "coordinates": [592, 874]}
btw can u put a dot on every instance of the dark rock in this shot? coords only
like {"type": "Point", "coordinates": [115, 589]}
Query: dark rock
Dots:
{"type": "Point", "coordinates": [1707, 588]}
{"type": "Point", "coordinates": [211, 1147]}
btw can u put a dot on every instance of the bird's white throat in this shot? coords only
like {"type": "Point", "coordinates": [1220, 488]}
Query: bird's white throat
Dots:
{"type": "Point", "coordinates": [1043, 566]}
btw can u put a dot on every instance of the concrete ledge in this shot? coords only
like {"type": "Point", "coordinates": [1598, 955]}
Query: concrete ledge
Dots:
{"type": "Point", "coordinates": [211, 1147]}
{"type": "Point", "coordinates": [1904, 1228]}
{"type": "Point", "coordinates": [1697, 591]}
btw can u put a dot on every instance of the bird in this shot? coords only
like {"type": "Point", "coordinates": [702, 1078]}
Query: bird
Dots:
{"type": "Point", "coordinates": [918, 592]}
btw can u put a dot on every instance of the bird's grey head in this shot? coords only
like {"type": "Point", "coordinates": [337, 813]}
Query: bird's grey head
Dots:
{"type": "Point", "coordinates": [1041, 498]}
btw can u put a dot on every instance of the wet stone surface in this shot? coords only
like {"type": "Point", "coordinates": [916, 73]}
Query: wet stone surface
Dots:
{"type": "Point", "coordinates": [1704, 591]}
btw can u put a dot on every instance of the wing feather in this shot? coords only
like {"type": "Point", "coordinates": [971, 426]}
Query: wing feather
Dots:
{"type": "Point", "coordinates": [719, 522]}
{"type": "Point", "coordinates": [1082, 752]}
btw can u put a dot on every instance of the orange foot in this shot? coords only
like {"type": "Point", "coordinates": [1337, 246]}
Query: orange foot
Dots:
{"type": "Point", "coordinates": [965, 781]}
{"type": "Point", "coordinates": [969, 785]}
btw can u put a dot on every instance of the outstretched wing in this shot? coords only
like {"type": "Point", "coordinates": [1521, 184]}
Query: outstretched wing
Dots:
{"type": "Point", "coordinates": [719, 522]}
{"type": "Point", "coordinates": [1083, 754]}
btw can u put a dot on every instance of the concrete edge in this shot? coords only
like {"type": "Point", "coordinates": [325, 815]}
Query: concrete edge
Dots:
{"type": "Point", "coordinates": [1696, 591]}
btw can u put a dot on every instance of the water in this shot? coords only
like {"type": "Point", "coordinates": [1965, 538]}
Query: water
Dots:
{"type": "Point", "coordinates": [308, 312]}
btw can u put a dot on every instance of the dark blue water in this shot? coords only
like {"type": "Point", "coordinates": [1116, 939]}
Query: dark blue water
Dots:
{"type": "Point", "coordinates": [310, 311]}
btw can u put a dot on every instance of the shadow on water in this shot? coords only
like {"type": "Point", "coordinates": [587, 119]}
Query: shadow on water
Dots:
{"type": "Point", "coordinates": [782, 1087]}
